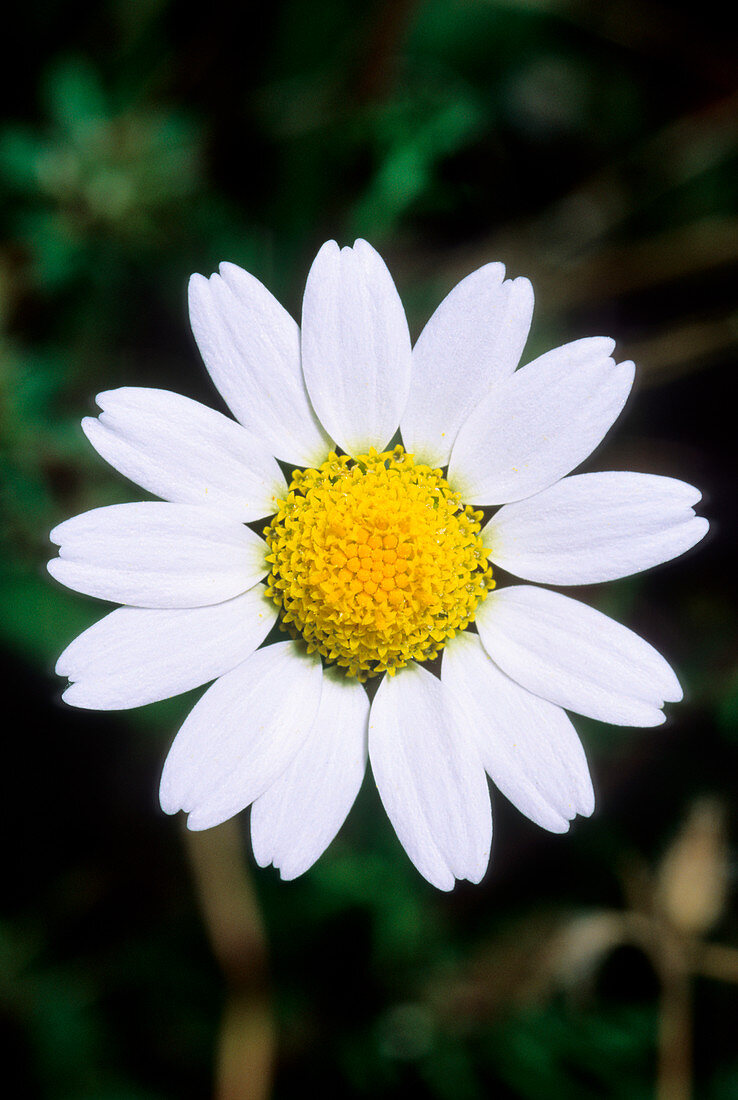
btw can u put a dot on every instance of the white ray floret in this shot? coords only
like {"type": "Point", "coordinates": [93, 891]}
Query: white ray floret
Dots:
{"type": "Point", "coordinates": [295, 820]}
{"type": "Point", "coordinates": [355, 346]}
{"type": "Point", "coordinates": [540, 423]}
{"type": "Point", "coordinates": [182, 451]}
{"type": "Point", "coordinates": [481, 328]}
{"type": "Point", "coordinates": [251, 347]}
{"type": "Point", "coordinates": [242, 735]}
{"type": "Point", "coordinates": [529, 747]}
{"type": "Point", "coordinates": [575, 656]}
{"type": "Point", "coordinates": [137, 655]}
{"type": "Point", "coordinates": [157, 555]}
{"type": "Point", "coordinates": [430, 777]}
{"type": "Point", "coordinates": [596, 527]}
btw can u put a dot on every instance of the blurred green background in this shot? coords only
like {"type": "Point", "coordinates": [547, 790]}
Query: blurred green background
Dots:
{"type": "Point", "coordinates": [592, 147]}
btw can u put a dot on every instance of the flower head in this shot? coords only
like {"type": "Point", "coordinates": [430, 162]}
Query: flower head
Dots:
{"type": "Point", "coordinates": [375, 558]}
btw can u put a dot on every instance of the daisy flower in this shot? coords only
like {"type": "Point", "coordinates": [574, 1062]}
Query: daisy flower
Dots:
{"type": "Point", "coordinates": [375, 557]}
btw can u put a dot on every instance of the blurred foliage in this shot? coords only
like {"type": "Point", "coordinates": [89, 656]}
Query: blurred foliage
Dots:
{"type": "Point", "coordinates": [591, 147]}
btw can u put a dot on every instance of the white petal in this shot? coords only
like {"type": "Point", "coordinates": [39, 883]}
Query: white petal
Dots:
{"type": "Point", "coordinates": [355, 346]}
{"type": "Point", "coordinates": [185, 452]}
{"type": "Point", "coordinates": [575, 656]}
{"type": "Point", "coordinates": [529, 747]}
{"type": "Point", "coordinates": [430, 778]}
{"type": "Point", "coordinates": [295, 820]}
{"type": "Point", "coordinates": [540, 423]}
{"type": "Point", "coordinates": [245, 730]}
{"type": "Point", "coordinates": [157, 555]}
{"type": "Point", "coordinates": [474, 339]}
{"type": "Point", "coordinates": [136, 655]}
{"type": "Point", "coordinates": [595, 527]}
{"type": "Point", "coordinates": [251, 347]}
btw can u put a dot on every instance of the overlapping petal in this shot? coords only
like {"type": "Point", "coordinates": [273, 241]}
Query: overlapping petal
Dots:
{"type": "Point", "coordinates": [355, 346]}
{"type": "Point", "coordinates": [157, 555]}
{"type": "Point", "coordinates": [575, 656]}
{"type": "Point", "coordinates": [540, 423]}
{"type": "Point", "coordinates": [137, 655]}
{"type": "Point", "coordinates": [242, 734]}
{"type": "Point", "coordinates": [529, 747]}
{"type": "Point", "coordinates": [185, 452]}
{"type": "Point", "coordinates": [295, 820]}
{"type": "Point", "coordinates": [430, 777]}
{"type": "Point", "coordinates": [595, 527]}
{"type": "Point", "coordinates": [473, 341]}
{"type": "Point", "coordinates": [251, 347]}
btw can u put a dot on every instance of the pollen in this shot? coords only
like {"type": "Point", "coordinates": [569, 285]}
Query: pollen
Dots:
{"type": "Point", "coordinates": [375, 561]}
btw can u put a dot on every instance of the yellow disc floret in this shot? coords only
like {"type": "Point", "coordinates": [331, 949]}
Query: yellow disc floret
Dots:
{"type": "Point", "coordinates": [375, 561]}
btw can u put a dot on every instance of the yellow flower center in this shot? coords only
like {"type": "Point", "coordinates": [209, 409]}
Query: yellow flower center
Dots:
{"type": "Point", "coordinates": [375, 561]}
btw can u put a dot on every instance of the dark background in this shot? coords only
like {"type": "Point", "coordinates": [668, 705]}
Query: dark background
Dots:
{"type": "Point", "coordinates": [592, 147]}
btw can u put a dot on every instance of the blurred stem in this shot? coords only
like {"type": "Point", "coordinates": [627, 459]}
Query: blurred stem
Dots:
{"type": "Point", "coordinates": [230, 910]}
{"type": "Point", "coordinates": [675, 1022]}
{"type": "Point", "coordinates": [718, 962]}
